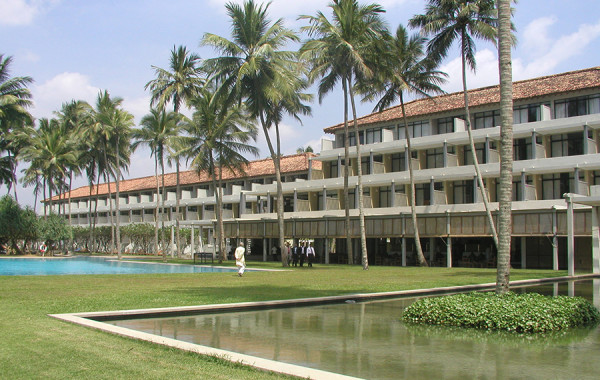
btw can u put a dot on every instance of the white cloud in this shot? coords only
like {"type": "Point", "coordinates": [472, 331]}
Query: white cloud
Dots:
{"type": "Point", "coordinates": [22, 12]}
{"type": "Point", "coordinates": [63, 88]}
{"type": "Point", "coordinates": [139, 107]}
{"type": "Point", "coordinates": [486, 74]}
{"type": "Point", "coordinates": [535, 39]}
{"type": "Point", "coordinates": [561, 50]}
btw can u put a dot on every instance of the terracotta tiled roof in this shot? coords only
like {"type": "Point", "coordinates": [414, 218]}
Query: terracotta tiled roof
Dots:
{"type": "Point", "coordinates": [296, 163]}
{"type": "Point", "coordinates": [525, 89]}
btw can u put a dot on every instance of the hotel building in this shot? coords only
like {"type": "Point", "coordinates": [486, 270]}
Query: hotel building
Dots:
{"type": "Point", "coordinates": [556, 145]}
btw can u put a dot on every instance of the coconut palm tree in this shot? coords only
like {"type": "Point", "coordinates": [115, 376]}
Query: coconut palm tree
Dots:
{"type": "Point", "coordinates": [157, 128]}
{"type": "Point", "coordinates": [341, 50]}
{"type": "Point", "coordinates": [253, 67]}
{"type": "Point", "coordinates": [14, 101]}
{"type": "Point", "coordinates": [404, 70]}
{"type": "Point", "coordinates": [217, 139]}
{"type": "Point", "coordinates": [177, 85]}
{"type": "Point", "coordinates": [449, 21]}
{"type": "Point", "coordinates": [505, 42]}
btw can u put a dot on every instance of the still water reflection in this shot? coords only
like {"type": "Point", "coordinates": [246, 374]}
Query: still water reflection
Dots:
{"type": "Point", "coordinates": [367, 340]}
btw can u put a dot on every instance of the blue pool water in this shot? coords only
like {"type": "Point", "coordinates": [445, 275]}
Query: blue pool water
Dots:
{"type": "Point", "coordinates": [93, 265]}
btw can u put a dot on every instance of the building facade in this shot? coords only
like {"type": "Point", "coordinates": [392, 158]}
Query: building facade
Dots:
{"type": "Point", "coordinates": [556, 145]}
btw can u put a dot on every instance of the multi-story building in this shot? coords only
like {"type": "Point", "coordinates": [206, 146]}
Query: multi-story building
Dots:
{"type": "Point", "coordinates": [556, 142]}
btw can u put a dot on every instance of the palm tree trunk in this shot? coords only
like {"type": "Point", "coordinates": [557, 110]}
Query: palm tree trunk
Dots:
{"type": "Point", "coordinates": [110, 208]}
{"type": "Point", "coordinates": [280, 203]}
{"type": "Point", "coordinates": [506, 146]}
{"type": "Point", "coordinates": [346, 176]}
{"type": "Point", "coordinates": [484, 193]}
{"type": "Point", "coordinates": [70, 217]}
{"type": "Point", "coordinates": [118, 211]}
{"type": "Point", "coordinates": [361, 212]}
{"type": "Point", "coordinates": [44, 190]}
{"type": "Point", "coordinates": [13, 168]}
{"type": "Point", "coordinates": [276, 163]}
{"type": "Point", "coordinates": [413, 200]}
{"type": "Point", "coordinates": [95, 243]}
{"type": "Point", "coordinates": [219, 192]}
{"type": "Point", "coordinates": [156, 211]}
{"type": "Point", "coordinates": [177, 204]}
{"type": "Point", "coordinates": [162, 209]}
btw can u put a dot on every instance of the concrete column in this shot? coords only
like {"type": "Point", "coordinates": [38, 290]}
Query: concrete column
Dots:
{"type": "Point", "coordinates": [172, 241]}
{"type": "Point", "coordinates": [431, 250]}
{"type": "Point", "coordinates": [309, 169]}
{"type": "Point", "coordinates": [448, 242]}
{"type": "Point", "coordinates": [393, 194]}
{"type": "Point", "coordinates": [523, 186]}
{"type": "Point", "coordinates": [523, 252]}
{"type": "Point", "coordinates": [585, 138]}
{"type": "Point", "coordinates": [570, 237]}
{"type": "Point", "coordinates": [486, 150]}
{"type": "Point", "coordinates": [325, 199]}
{"type": "Point", "coordinates": [193, 246]}
{"type": "Point", "coordinates": [326, 250]}
{"type": "Point", "coordinates": [242, 206]}
{"type": "Point", "coordinates": [533, 145]}
{"type": "Point", "coordinates": [431, 191]}
{"type": "Point", "coordinates": [554, 240]}
{"type": "Point", "coordinates": [403, 241]}
{"type": "Point", "coordinates": [268, 202]}
{"type": "Point", "coordinates": [340, 169]}
{"type": "Point", "coordinates": [371, 163]}
{"type": "Point", "coordinates": [265, 242]}
{"type": "Point", "coordinates": [595, 240]}
{"type": "Point", "coordinates": [576, 180]}
{"type": "Point", "coordinates": [356, 196]}
{"type": "Point", "coordinates": [445, 154]}
{"type": "Point", "coordinates": [295, 200]}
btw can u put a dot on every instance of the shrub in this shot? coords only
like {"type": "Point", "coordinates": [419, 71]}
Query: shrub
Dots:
{"type": "Point", "coordinates": [523, 313]}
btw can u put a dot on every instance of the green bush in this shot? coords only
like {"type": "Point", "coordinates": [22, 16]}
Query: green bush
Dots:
{"type": "Point", "coordinates": [523, 313]}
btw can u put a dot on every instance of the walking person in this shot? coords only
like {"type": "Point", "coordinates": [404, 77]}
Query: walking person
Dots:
{"type": "Point", "coordinates": [295, 254]}
{"type": "Point", "coordinates": [310, 254]}
{"type": "Point", "coordinates": [302, 253]}
{"type": "Point", "coordinates": [240, 260]}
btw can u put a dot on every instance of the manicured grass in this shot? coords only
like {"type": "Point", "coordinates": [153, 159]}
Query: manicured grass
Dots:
{"type": "Point", "coordinates": [37, 346]}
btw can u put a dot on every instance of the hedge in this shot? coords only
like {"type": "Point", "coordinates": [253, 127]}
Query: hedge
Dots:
{"type": "Point", "coordinates": [521, 313]}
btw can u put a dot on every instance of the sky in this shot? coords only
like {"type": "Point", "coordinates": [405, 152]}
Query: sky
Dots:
{"type": "Point", "coordinates": [74, 49]}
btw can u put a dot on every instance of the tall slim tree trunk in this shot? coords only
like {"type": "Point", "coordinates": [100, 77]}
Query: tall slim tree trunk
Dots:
{"type": "Point", "coordinates": [110, 208]}
{"type": "Point", "coordinates": [118, 211]}
{"type": "Point", "coordinates": [44, 190]}
{"type": "Point", "coordinates": [506, 146]}
{"type": "Point", "coordinates": [156, 211]}
{"type": "Point", "coordinates": [219, 191]}
{"type": "Point", "coordinates": [346, 176]}
{"type": "Point", "coordinates": [13, 168]}
{"type": "Point", "coordinates": [162, 210]}
{"type": "Point", "coordinates": [484, 193]}
{"type": "Point", "coordinates": [361, 212]}
{"type": "Point", "coordinates": [177, 209]}
{"type": "Point", "coordinates": [95, 243]}
{"type": "Point", "coordinates": [70, 216]}
{"type": "Point", "coordinates": [413, 199]}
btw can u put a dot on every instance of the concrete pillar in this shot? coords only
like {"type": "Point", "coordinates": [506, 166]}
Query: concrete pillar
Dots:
{"type": "Point", "coordinates": [371, 163]}
{"type": "Point", "coordinates": [172, 246]}
{"type": "Point", "coordinates": [431, 250]}
{"type": "Point", "coordinates": [295, 200]}
{"type": "Point", "coordinates": [265, 242]}
{"type": "Point", "coordinates": [340, 169]}
{"type": "Point", "coordinates": [486, 150]}
{"type": "Point", "coordinates": [309, 169]}
{"type": "Point", "coordinates": [393, 194]}
{"type": "Point", "coordinates": [326, 250]}
{"type": "Point", "coordinates": [448, 242]}
{"type": "Point", "coordinates": [523, 186]}
{"type": "Point", "coordinates": [595, 240]}
{"type": "Point", "coordinates": [554, 240]}
{"type": "Point", "coordinates": [268, 202]}
{"type": "Point", "coordinates": [431, 191]}
{"type": "Point", "coordinates": [193, 246]}
{"type": "Point", "coordinates": [523, 252]}
{"type": "Point", "coordinates": [570, 237]}
{"type": "Point", "coordinates": [325, 199]}
{"type": "Point", "coordinates": [403, 251]}
{"type": "Point", "coordinates": [445, 154]}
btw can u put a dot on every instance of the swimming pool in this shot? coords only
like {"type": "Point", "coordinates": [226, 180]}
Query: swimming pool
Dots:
{"type": "Point", "coordinates": [93, 265]}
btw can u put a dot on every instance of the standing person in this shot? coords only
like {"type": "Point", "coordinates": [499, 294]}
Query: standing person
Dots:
{"type": "Point", "coordinates": [295, 254]}
{"type": "Point", "coordinates": [287, 251]}
{"type": "Point", "coordinates": [240, 260]}
{"type": "Point", "coordinates": [302, 253]}
{"type": "Point", "coordinates": [310, 254]}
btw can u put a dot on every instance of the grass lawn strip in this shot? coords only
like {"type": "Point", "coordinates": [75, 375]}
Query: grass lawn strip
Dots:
{"type": "Point", "coordinates": [36, 346]}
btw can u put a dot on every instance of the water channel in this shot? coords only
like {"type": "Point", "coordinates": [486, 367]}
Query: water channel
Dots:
{"type": "Point", "coordinates": [367, 340]}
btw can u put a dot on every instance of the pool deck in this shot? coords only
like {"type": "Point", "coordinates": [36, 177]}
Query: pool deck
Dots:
{"type": "Point", "coordinates": [95, 320]}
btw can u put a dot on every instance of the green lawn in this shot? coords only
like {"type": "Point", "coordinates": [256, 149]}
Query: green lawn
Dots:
{"type": "Point", "coordinates": [34, 345]}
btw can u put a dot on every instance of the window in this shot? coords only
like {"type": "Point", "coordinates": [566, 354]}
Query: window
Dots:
{"type": "Point", "coordinates": [333, 169]}
{"type": "Point", "coordinates": [373, 135]}
{"type": "Point", "coordinates": [522, 149]}
{"type": "Point", "coordinates": [527, 113]}
{"type": "Point", "coordinates": [385, 199]}
{"type": "Point", "coordinates": [555, 185]}
{"type": "Point", "coordinates": [445, 125]}
{"type": "Point", "coordinates": [488, 119]}
{"type": "Point", "coordinates": [596, 177]}
{"type": "Point", "coordinates": [566, 145]}
{"type": "Point", "coordinates": [398, 162]}
{"type": "Point", "coordinates": [422, 194]}
{"type": "Point", "coordinates": [583, 105]}
{"type": "Point", "coordinates": [479, 150]}
{"type": "Point", "coordinates": [416, 128]}
{"type": "Point", "coordinates": [435, 158]}
{"type": "Point", "coordinates": [463, 192]}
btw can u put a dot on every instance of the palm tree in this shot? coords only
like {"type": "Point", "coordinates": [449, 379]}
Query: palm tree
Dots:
{"type": "Point", "coordinates": [405, 69]}
{"type": "Point", "coordinates": [177, 85]}
{"type": "Point", "coordinates": [216, 141]}
{"type": "Point", "coordinates": [14, 101]}
{"type": "Point", "coordinates": [157, 128]}
{"type": "Point", "coordinates": [51, 152]}
{"type": "Point", "coordinates": [342, 50]}
{"type": "Point", "coordinates": [505, 42]}
{"type": "Point", "coordinates": [461, 20]}
{"type": "Point", "coordinates": [252, 67]}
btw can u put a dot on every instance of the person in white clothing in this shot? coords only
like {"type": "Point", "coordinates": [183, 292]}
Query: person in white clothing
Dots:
{"type": "Point", "coordinates": [240, 260]}
{"type": "Point", "coordinates": [310, 254]}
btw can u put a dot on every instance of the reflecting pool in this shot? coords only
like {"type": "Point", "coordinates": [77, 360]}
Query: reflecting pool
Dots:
{"type": "Point", "coordinates": [367, 340]}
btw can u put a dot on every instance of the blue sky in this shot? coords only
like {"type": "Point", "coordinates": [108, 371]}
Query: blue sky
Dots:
{"type": "Point", "coordinates": [73, 49]}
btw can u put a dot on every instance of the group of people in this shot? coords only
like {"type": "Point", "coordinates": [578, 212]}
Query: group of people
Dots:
{"type": "Point", "coordinates": [299, 254]}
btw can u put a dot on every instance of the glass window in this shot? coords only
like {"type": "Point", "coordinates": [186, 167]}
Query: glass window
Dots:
{"type": "Point", "coordinates": [527, 113]}
{"type": "Point", "coordinates": [445, 125]}
{"type": "Point", "coordinates": [468, 156]}
{"type": "Point", "coordinates": [566, 145]}
{"type": "Point", "coordinates": [435, 158]}
{"type": "Point", "coordinates": [463, 192]}
{"type": "Point", "coordinates": [582, 105]}
{"type": "Point", "coordinates": [385, 196]}
{"type": "Point", "coordinates": [488, 119]}
{"type": "Point", "coordinates": [398, 162]}
{"type": "Point", "coordinates": [555, 185]}
{"type": "Point", "coordinates": [373, 135]}
{"type": "Point", "coordinates": [522, 149]}
{"type": "Point", "coordinates": [416, 128]}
